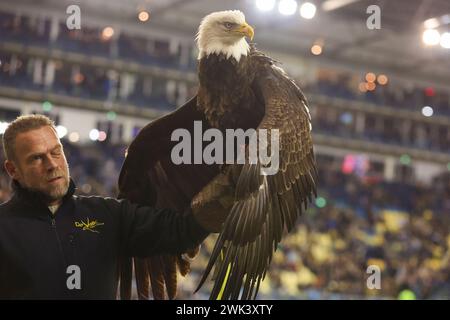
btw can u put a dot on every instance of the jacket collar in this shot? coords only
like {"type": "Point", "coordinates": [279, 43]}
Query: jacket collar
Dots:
{"type": "Point", "coordinates": [34, 198]}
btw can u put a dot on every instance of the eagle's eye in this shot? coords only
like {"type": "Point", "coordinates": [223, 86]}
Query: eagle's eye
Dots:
{"type": "Point", "coordinates": [229, 25]}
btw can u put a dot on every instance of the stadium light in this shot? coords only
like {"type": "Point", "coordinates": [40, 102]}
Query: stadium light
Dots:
{"type": "Point", "coordinates": [406, 294]}
{"type": "Point", "coordinates": [307, 10]}
{"type": "Point", "coordinates": [316, 50]}
{"type": "Point", "coordinates": [370, 86]}
{"type": "Point", "coordinates": [445, 40]}
{"type": "Point", "coordinates": [61, 131]}
{"type": "Point", "coordinates": [370, 77]}
{"type": "Point", "coordinates": [47, 106]}
{"type": "Point", "coordinates": [107, 33]}
{"type": "Point", "coordinates": [330, 5]}
{"type": "Point", "coordinates": [265, 5]}
{"type": "Point", "coordinates": [3, 126]}
{"type": "Point", "coordinates": [94, 134]}
{"type": "Point", "coordinates": [287, 7]}
{"type": "Point", "coordinates": [111, 115]}
{"type": "Point", "coordinates": [382, 79]}
{"type": "Point", "coordinates": [405, 159]}
{"type": "Point", "coordinates": [321, 202]}
{"type": "Point", "coordinates": [143, 16]}
{"type": "Point", "coordinates": [436, 22]}
{"type": "Point", "coordinates": [346, 118]}
{"type": "Point", "coordinates": [427, 111]}
{"type": "Point", "coordinates": [362, 87]}
{"type": "Point", "coordinates": [431, 23]}
{"type": "Point", "coordinates": [102, 136]}
{"type": "Point", "coordinates": [431, 37]}
{"type": "Point", "coordinates": [74, 137]}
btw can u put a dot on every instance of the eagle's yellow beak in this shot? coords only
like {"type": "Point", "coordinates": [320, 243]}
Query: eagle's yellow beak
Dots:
{"type": "Point", "coordinates": [246, 30]}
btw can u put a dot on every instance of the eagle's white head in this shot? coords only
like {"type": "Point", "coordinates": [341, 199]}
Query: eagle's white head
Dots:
{"type": "Point", "coordinates": [224, 32]}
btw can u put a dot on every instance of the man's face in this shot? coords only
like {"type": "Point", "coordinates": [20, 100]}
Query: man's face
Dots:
{"type": "Point", "coordinates": [40, 164]}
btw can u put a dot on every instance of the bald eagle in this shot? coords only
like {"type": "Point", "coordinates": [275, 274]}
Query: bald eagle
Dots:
{"type": "Point", "coordinates": [239, 88]}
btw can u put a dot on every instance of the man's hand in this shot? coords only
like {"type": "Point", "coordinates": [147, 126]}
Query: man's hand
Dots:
{"type": "Point", "coordinates": [213, 203]}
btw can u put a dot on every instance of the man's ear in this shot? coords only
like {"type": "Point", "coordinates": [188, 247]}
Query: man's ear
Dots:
{"type": "Point", "coordinates": [11, 168]}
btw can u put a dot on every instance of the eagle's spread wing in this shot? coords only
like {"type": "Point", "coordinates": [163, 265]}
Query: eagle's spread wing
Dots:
{"type": "Point", "coordinates": [149, 177]}
{"type": "Point", "coordinates": [266, 205]}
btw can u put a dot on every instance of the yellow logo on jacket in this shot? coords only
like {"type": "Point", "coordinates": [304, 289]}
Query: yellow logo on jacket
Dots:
{"type": "Point", "coordinates": [89, 225]}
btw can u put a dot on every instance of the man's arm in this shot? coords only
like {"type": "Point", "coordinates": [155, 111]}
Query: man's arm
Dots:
{"type": "Point", "coordinates": [146, 231]}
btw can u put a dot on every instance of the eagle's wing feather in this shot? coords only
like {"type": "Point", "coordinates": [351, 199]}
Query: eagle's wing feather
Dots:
{"type": "Point", "coordinates": [149, 177]}
{"type": "Point", "coordinates": [266, 205]}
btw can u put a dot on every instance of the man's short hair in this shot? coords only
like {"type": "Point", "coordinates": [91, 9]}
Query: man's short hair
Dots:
{"type": "Point", "coordinates": [20, 125]}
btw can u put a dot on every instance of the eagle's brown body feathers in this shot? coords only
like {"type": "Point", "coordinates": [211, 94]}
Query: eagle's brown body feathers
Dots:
{"type": "Point", "coordinates": [229, 103]}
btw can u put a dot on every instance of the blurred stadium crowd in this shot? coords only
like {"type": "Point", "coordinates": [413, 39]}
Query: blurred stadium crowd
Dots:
{"type": "Point", "coordinates": [359, 219]}
{"type": "Point", "coordinates": [362, 221]}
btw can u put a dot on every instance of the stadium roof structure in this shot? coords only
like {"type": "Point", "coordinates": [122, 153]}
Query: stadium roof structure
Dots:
{"type": "Point", "coordinates": [340, 25]}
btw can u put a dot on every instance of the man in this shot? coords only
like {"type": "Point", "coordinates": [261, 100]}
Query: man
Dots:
{"type": "Point", "coordinates": [47, 234]}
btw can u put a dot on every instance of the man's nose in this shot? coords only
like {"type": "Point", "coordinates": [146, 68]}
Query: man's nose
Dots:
{"type": "Point", "coordinates": [51, 163]}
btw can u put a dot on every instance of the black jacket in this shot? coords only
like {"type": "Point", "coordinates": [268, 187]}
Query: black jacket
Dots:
{"type": "Point", "coordinates": [92, 233]}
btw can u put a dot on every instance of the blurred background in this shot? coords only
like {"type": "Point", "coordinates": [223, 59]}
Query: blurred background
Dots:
{"type": "Point", "coordinates": [379, 98]}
